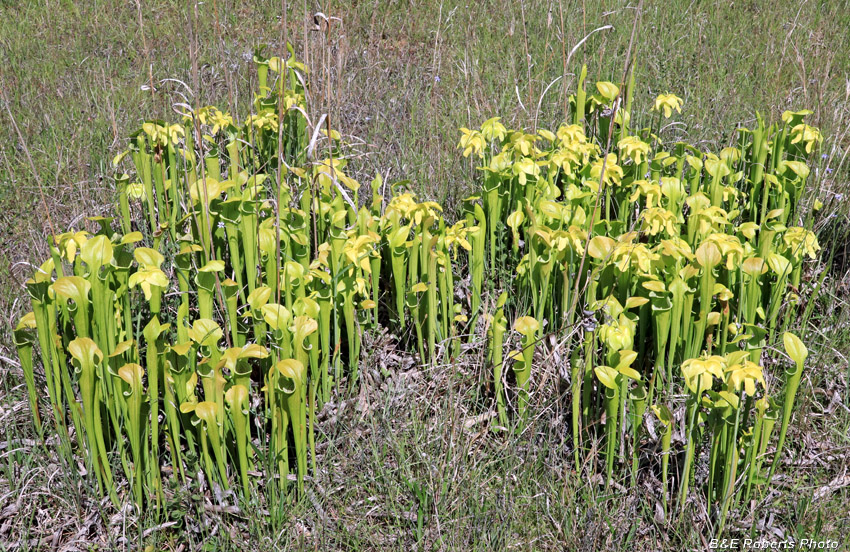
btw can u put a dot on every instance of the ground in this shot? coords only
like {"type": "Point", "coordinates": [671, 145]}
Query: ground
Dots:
{"type": "Point", "coordinates": [398, 79]}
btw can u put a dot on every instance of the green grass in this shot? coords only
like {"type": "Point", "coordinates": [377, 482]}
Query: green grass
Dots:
{"type": "Point", "coordinates": [403, 76]}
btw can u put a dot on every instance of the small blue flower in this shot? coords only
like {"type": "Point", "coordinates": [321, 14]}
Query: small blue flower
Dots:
{"type": "Point", "coordinates": [437, 78]}
{"type": "Point", "coordinates": [646, 175]}
{"type": "Point", "coordinates": [828, 170]}
{"type": "Point", "coordinates": [824, 156]}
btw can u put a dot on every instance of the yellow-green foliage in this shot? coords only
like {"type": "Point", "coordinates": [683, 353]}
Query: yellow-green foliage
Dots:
{"type": "Point", "coordinates": [662, 270]}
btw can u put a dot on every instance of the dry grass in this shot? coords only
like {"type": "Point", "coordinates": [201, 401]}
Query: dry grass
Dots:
{"type": "Point", "coordinates": [398, 79]}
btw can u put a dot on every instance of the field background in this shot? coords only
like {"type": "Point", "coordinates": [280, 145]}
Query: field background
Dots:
{"type": "Point", "coordinates": [398, 79]}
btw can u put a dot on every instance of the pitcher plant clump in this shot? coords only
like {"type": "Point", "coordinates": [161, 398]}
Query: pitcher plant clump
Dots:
{"type": "Point", "coordinates": [206, 326]}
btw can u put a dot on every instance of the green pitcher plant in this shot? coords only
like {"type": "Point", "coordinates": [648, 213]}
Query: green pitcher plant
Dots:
{"type": "Point", "coordinates": [207, 326]}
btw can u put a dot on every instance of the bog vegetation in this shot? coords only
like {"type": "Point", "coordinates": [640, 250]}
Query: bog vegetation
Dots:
{"type": "Point", "coordinates": [204, 329]}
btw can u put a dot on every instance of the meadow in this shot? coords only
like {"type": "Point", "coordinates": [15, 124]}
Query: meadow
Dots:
{"type": "Point", "coordinates": [501, 275]}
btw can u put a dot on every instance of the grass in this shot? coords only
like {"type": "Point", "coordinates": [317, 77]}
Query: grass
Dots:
{"type": "Point", "coordinates": [402, 77]}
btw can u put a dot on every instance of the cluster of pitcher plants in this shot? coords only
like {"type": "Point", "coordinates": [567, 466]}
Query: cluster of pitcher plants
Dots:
{"type": "Point", "coordinates": [204, 329]}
